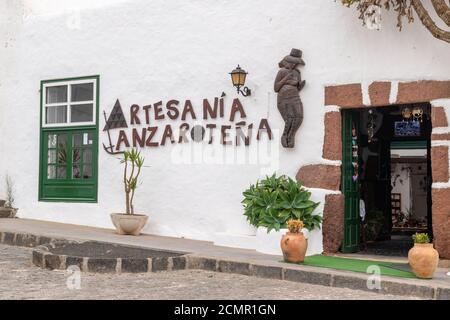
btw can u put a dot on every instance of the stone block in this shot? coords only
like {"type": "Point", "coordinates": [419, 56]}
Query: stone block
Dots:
{"type": "Point", "coordinates": [344, 96]}
{"type": "Point", "coordinates": [178, 263]}
{"type": "Point", "coordinates": [379, 93]}
{"type": "Point", "coordinates": [52, 261]}
{"type": "Point", "coordinates": [438, 117]}
{"type": "Point", "coordinates": [160, 264]}
{"type": "Point", "coordinates": [422, 91]}
{"type": "Point", "coordinates": [311, 277]}
{"type": "Point", "coordinates": [320, 176]}
{"type": "Point", "coordinates": [102, 265]}
{"type": "Point", "coordinates": [333, 222]}
{"type": "Point", "coordinates": [439, 163]}
{"type": "Point", "coordinates": [332, 145]}
{"type": "Point", "coordinates": [267, 272]}
{"type": "Point", "coordinates": [234, 267]}
{"type": "Point", "coordinates": [134, 265]}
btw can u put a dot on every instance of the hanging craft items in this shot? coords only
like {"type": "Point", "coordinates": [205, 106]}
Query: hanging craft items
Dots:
{"type": "Point", "coordinates": [354, 153]}
{"type": "Point", "coordinates": [370, 127]}
{"type": "Point", "coordinates": [417, 113]}
{"type": "Point", "coordinates": [406, 114]}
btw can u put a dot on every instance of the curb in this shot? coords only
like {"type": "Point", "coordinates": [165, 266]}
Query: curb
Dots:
{"type": "Point", "coordinates": [44, 259]}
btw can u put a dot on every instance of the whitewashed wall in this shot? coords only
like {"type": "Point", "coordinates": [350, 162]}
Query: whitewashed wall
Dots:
{"type": "Point", "coordinates": [146, 51]}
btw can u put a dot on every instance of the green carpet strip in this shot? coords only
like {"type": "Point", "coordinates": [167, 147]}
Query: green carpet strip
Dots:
{"type": "Point", "coordinates": [358, 265]}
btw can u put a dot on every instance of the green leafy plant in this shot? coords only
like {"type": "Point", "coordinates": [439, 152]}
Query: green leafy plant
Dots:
{"type": "Point", "coordinates": [274, 200]}
{"type": "Point", "coordinates": [135, 161]}
{"type": "Point", "coordinates": [421, 238]}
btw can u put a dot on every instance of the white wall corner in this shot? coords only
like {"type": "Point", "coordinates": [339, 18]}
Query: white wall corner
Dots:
{"type": "Point", "coordinates": [394, 92]}
{"type": "Point", "coordinates": [365, 93]}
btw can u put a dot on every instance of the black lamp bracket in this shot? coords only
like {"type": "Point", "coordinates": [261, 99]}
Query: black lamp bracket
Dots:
{"type": "Point", "coordinates": [245, 92]}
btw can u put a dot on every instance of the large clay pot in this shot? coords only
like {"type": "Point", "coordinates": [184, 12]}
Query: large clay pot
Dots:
{"type": "Point", "coordinates": [131, 224]}
{"type": "Point", "coordinates": [423, 259]}
{"type": "Point", "coordinates": [294, 247]}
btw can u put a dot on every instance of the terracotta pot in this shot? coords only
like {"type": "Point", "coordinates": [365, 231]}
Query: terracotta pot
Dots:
{"type": "Point", "coordinates": [294, 247]}
{"type": "Point", "coordinates": [131, 224]}
{"type": "Point", "coordinates": [423, 259]}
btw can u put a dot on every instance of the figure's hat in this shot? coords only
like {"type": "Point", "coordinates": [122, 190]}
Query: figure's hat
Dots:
{"type": "Point", "coordinates": [295, 57]}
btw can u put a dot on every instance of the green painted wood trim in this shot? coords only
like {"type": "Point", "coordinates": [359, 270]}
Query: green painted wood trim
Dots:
{"type": "Point", "coordinates": [416, 144]}
{"type": "Point", "coordinates": [43, 132]}
{"type": "Point", "coordinates": [350, 189]}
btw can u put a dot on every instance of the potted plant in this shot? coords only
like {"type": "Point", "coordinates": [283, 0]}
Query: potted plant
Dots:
{"type": "Point", "coordinates": [271, 202]}
{"type": "Point", "coordinates": [423, 258]}
{"type": "Point", "coordinates": [293, 243]}
{"type": "Point", "coordinates": [7, 209]}
{"type": "Point", "coordinates": [130, 222]}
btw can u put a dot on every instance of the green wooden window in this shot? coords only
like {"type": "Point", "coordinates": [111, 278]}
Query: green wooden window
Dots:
{"type": "Point", "coordinates": [69, 140]}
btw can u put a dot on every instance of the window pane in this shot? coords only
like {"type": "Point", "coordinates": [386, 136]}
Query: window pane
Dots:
{"type": "Point", "coordinates": [82, 113]}
{"type": "Point", "coordinates": [76, 155]}
{"type": "Point", "coordinates": [51, 156]}
{"type": "Point", "coordinates": [87, 171]}
{"type": "Point", "coordinates": [52, 138]}
{"type": "Point", "coordinates": [62, 156]}
{"type": "Point", "coordinates": [57, 114]}
{"type": "Point", "coordinates": [87, 138]}
{"type": "Point", "coordinates": [56, 94]}
{"type": "Point", "coordinates": [51, 172]}
{"type": "Point", "coordinates": [77, 140]}
{"type": "Point", "coordinates": [82, 92]}
{"type": "Point", "coordinates": [76, 172]}
{"type": "Point", "coordinates": [87, 156]}
{"type": "Point", "coordinates": [62, 148]}
{"type": "Point", "coordinates": [62, 141]}
{"type": "Point", "coordinates": [61, 172]}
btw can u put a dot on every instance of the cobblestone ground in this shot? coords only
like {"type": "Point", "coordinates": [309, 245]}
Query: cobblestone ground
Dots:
{"type": "Point", "coordinates": [19, 279]}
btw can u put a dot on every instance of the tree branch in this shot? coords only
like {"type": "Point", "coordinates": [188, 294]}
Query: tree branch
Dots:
{"type": "Point", "coordinates": [443, 10]}
{"type": "Point", "coordinates": [429, 23]}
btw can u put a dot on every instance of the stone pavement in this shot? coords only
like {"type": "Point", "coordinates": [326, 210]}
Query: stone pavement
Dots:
{"type": "Point", "coordinates": [19, 279]}
{"type": "Point", "coordinates": [205, 255]}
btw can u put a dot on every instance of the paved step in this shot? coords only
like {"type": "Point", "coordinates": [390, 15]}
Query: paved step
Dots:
{"type": "Point", "coordinates": [206, 256]}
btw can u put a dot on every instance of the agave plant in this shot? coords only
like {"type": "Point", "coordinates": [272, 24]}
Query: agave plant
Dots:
{"type": "Point", "coordinates": [274, 200]}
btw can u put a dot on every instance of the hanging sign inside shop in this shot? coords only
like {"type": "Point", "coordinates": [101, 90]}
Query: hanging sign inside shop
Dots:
{"type": "Point", "coordinates": [144, 129]}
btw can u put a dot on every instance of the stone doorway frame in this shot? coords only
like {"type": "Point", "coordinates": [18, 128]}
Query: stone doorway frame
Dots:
{"type": "Point", "coordinates": [327, 174]}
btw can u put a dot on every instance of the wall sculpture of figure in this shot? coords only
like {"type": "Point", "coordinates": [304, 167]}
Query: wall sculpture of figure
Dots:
{"type": "Point", "coordinates": [288, 84]}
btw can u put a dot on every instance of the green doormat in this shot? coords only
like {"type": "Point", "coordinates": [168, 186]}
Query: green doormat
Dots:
{"type": "Point", "coordinates": [357, 265]}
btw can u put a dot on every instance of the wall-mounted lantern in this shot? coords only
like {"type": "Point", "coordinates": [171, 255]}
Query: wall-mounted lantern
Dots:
{"type": "Point", "coordinates": [238, 76]}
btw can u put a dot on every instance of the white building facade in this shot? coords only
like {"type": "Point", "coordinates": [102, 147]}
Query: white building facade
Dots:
{"type": "Point", "coordinates": [148, 53]}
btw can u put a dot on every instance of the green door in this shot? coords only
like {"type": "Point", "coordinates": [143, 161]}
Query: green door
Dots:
{"type": "Point", "coordinates": [350, 183]}
{"type": "Point", "coordinates": [69, 171]}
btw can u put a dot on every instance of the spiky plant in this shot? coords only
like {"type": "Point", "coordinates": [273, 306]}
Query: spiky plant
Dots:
{"type": "Point", "coordinates": [133, 161]}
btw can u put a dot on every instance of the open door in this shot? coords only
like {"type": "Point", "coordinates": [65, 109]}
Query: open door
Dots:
{"type": "Point", "coordinates": [350, 184]}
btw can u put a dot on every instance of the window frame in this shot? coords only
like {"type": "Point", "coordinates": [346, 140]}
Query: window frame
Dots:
{"type": "Point", "coordinates": [47, 129]}
{"type": "Point", "coordinates": [68, 82]}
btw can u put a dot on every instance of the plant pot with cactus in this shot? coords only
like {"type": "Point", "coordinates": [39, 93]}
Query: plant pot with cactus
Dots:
{"type": "Point", "coordinates": [293, 243]}
{"type": "Point", "coordinates": [129, 222]}
{"type": "Point", "coordinates": [423, 258]}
